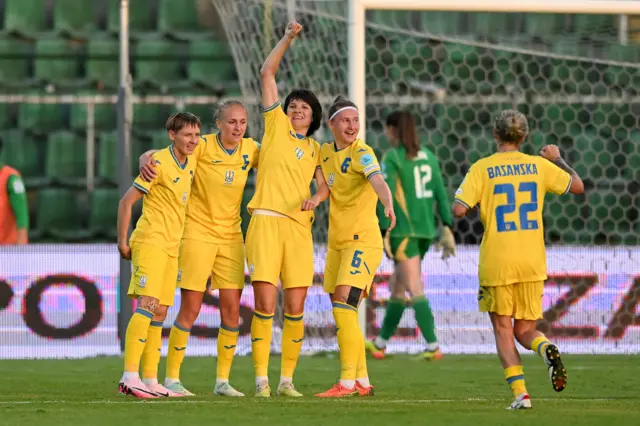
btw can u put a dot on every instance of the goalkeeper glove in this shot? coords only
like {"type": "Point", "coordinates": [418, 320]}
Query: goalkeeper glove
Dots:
{"type": "Point", "coordinates": [447, 243]}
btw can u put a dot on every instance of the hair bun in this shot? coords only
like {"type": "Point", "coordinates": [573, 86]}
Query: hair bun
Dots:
{"type": "Point", "coordinates": [340, 98]}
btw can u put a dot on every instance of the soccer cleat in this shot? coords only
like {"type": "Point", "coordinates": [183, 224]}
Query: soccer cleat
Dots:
{"type": "Point", "coordinates": [263, 390]}
{"type": "Point", "coordinates": [176, 387]}
{"type": "Point", "coordinates": [339, 391]}
{"type": "Point", "coordinates": [430, 355]}
{"type": "Point", "coordinates": [136, 388]}
{"type": "Point", "coordinates": [557, 372]}
{"type": "Point", "coordinates": [161, 391]}
{"type": "Point", "coordinates": [364, 391]}
{"type": "Point", "coordinates": [376, 352]}
{"type": "Point", "coordinates": [522, 402]}
{"type": "Point", "coordinates": [287, 389]}
{"type": "Point", "coordinates": [225, 389]}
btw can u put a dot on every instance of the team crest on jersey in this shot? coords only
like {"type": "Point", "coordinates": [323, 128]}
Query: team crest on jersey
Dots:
{"type": "Point", "coordinates": [142, 283]}
{"type": "Point", "coordinates": [228, 177]}
{"type": "Point", "coordinates": [299, 153]}
{"type": "Point", "coordinates": [331, 179]}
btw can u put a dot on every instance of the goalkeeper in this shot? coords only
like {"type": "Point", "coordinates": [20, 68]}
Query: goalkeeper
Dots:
{"type": "Point", "coordinates": [413, 175]}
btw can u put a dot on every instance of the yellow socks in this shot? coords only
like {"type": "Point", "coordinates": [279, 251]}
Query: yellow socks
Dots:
{"type": "Point", "coordinates": [177, 347]}
{"type": "Point", "coordinates": [261, 330]}
{"type": "Point", "coordinates": [515, 378]}
{"type": "Point", "coordinates": [151, 354]}
{"type": "Point", "coordinates": [362, 375]}
{"type": "Point", "coordinates": [349, 341]}
{"type": "Point", "coordinates": [136, 338]}
{"type": "Point", "coordinates": [292, 337]}
{"type": "Point", "coordinates": [539, 344]}
{"type": "Point", "coordinates": [227, 340]}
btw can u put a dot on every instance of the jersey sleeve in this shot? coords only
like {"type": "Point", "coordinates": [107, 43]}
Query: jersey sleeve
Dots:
{"type": "Point", "coordinates": [366, 163]}
{"type": "Point", "coordinates": [440, 193]}
{"type": "Point", "coordinates": [18, 201]}
{"type": "Point", "coordinates": [470, 190]}
{"type": "Point", "coordinates": [142, 185]}
{"type": "Point", "coordinates": [556, 180]}
{"type": "Point", "coordinates": [273, 117]}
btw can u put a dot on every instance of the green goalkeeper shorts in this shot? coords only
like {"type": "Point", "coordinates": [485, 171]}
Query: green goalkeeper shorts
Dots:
{"type": "Point", "coordinates": [403, 248]}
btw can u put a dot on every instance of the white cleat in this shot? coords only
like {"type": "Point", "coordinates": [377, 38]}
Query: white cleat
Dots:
{"type": "Point", "coordinates": [163, 392]}
{"type": "Point", "coordinates": [176, 387]}
{"type": "Point", "coordinates": [522, 402]}
{"type": "Point", "coordinates": [225, 389]}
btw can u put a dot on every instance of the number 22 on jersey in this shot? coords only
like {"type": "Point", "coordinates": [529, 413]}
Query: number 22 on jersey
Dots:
{"type": "Point", "coordinates": [511, 206]}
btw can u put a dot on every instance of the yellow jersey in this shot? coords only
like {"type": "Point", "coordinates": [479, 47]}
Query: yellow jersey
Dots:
{"type": "Point", "coordinates": [164, 203]}
{"type": "Point", "coordinates": [287, 164]}
{"type": "Point", "coordinates": [510, 187]}
{"type": "Point", "coordinates": [213, 211]}
{"type": "Point", "coordinates": [353, 201]}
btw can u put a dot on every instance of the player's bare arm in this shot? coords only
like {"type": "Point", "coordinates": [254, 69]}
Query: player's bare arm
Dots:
{"type": "Point", "coordinates": [272, 63]}
{"type": "Point", "coordinates": [552, 153]}
{"type": "Point", "coordinates": [124, 219]}
{"type": "Point", "coordinates": [148, 165]}
{"type": "Point", "coordinates": [321, 194]}
{"type": "Point", "coordinates": [384, 195]}
{"type": "Point", "coordinates": [459, 210]}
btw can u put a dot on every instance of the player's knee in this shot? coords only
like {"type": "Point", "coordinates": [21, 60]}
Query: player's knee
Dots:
{"type": "Point", "coordinates": [230, 315]}
{"type": "Point", "coordinates": [187, 315]}
{"type": "Point", "coordinates": [160, 313]}
{"type": "Point", "coordinates": [148, 303]}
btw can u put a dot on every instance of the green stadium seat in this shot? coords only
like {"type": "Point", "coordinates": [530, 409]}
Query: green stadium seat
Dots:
{"type": "Point", "coordinates": [70, 18]}
{"type": "Point", "coordinates": [159, 139]}
{"type": "Point", "coordinates": [210, 61]}
{"type": "Point", "coordinates": [5, 117]}
{"type": "Point", "coordinates": [179, 19]}
{"type": "Point", "coordinates": [14, 62]}
{"type": "Point", "coordinates": [150, 116]}
{"type": "Point", "coordinates": [66, 160]}
{"type": "Point", "coordinates": [544, 25]}
{"type": "Point", "coordinates": [24, 153]}
{"type": "Point", "coordinates": [40, 118]}
{"type": "Point", "coordinates": [57, 59]}
{"type": "Point", "coordinates": [103, 61]}
{"type": "Point", "coordinates": [594, 25]}
{"type": "Point", "coordinates": [157, 61]}
{"type": "Point", "coordinates": [442, 23]}
{"type": "Point", "coordinates": [104, 212]}
{"type": "Point", "coordinates": [25, 17]}
{"type": "Point", "coordinates": [140, 20]}
{"type": "Point", "coordinates": [104, 115]}
{"type": "Point", "coordinates": [60, 215]}
{"type": "Point", "coordinates": [108, 157]}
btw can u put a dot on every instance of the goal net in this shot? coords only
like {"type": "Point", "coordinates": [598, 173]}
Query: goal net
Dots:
{"type": "Point", "coordinates": [575, 76]}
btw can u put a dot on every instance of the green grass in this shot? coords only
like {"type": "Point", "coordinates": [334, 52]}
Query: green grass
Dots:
{"type": "Point", "coordinates": [459, 390]}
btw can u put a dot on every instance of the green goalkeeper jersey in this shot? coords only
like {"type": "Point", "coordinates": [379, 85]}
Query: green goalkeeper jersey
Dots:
{"type": "Point", "coordinates": [415, 184]}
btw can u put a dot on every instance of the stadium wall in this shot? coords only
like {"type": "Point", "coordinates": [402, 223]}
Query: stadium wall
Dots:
{"type": "Point", "coordinates": [62, 301]}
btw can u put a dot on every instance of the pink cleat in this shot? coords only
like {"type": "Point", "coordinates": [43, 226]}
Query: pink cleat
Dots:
{"type": "Point", "coordinates": [136, 388]}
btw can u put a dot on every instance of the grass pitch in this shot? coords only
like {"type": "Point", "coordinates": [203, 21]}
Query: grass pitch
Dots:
{"type": "Point", "coordinates": [458, 390]}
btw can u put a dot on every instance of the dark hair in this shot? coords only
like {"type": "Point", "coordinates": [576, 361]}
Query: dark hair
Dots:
{"type": "Point", "coordinates": [338, 103]}
{"type": "Point", "coordinates": [405, 127]}
{"type": "Point", "coordinates": [316, 109]}
{"type": "Point", "coordinates": [224, 106]}
{"type": "Point", "coordinates": [511, 127]}
{"type": "Point", "coordinates": [180, 120]}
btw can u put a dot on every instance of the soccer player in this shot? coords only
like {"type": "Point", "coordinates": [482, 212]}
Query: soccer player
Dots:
{"type": "Point", "coordinates": [14, 209]}
{"type": "Point", "coordinates": [212, 243]}
{"type": "Point", "coordinates": [153, 248]}
{"type": "Point", "coordinates": [279, 243]}
{"type": "Point", "coordinates": [413, 174]}
{"type": "Point", "coordinates": [510, 187]}
{"type": "Point", "coordinates": [355, 242]}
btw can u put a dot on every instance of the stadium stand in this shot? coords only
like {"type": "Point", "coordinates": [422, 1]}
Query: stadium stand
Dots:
{"type": "Point", "coordinates": [55, 47]}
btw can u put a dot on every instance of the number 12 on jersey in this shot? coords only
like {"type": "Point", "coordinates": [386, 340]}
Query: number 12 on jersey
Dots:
{"type": "Point", "coordinates": [523, 210]}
